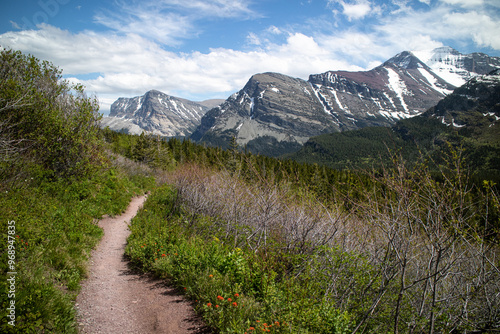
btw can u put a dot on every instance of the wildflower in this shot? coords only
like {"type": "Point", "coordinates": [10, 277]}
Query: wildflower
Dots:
{"type": "Point", "coordinates": [210, 275]}
{"type": "Point", "coordinates": [216, 306]}
{"type": "Point", "coordinates": [209, 304]}
{"type": "Point", "coordinates": [229, 300]}
{"type": "Point", "coordinates": [277, 323]}
{"type": "Point", "coordinates": [251, 329]}
{"type": "Point", "coordinates": [163, 255]}
{"type": "Point", "coordinates": [236, 295]}
{"type": "Point", "coordinates": [234, 304]}
{"type": "Point", "coordinates": [220, 298]}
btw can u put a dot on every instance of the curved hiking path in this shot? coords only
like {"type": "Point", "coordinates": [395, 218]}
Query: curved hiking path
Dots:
{"type": "Point", "coordinates": [115, 299]}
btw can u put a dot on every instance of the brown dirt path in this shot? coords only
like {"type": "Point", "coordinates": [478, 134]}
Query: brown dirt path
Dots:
{"type": "Point", "coordinates": [115, 299]}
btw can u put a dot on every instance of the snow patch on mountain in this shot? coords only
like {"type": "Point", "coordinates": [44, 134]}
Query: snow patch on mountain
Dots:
{"type": "Point", "coordinates": [433, 82]}
{"type": "Point", "coordinates": [397, 85]}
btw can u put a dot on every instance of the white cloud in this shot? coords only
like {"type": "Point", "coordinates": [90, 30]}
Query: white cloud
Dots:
{"type": "Point", "coordinates": [253, 39]}
{"type": "Point", "coordinates": [211, 8]}
{"type": "Point", "coordinates": [482, 28]}
{"type": "Point", "coordinates": [427, 2]}
{"type": "Point", "coordinates": [356, 11]}
{"type": "Point", "coordinates": [130, 65]}
{"type": "Point", "coordinates": [418, 28]}
{"type": "Point", "coordinates": [170, 21]}
{"type": "Point", "coordinates": [465, 3]}
{"type": "Point", "coordinates": [166, 28]}
{"type": "Point", "coordinates": [131, 59]}
{"type": "Point", "coordinates": [14, 25]}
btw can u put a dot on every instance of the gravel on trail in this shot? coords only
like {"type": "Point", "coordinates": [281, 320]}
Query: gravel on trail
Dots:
{"type": "Point", "coordinates": [116, 299]}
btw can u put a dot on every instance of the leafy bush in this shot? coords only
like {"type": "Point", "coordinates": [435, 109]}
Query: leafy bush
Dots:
{"type": "Point", "coordinates": [55, 181]}
{"type": "Point", "coordinates": [235, 287]}
{"type": "Point", "coordinates": [404, 257]}
{"type": "Point", "coordinates": [45, 121]}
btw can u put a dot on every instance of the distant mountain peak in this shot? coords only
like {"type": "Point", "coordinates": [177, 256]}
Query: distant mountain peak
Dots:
{"type": "Point", "coordinates": [155, 112]}
{"type": "Point", "coordinates": [406, 60]}
{"type": "Point", "coordinates": [457, 68]}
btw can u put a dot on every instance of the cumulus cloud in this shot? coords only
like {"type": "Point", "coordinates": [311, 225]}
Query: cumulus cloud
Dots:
{"type": "Point", "coordinates": [131, 57]}
{"type": "Point", "coordinates": [129, 65]}
{"type": "Point", "coordinates": [355, 10]}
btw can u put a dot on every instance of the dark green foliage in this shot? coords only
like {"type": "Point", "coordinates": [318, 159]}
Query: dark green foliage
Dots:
{"type": "Point", "coordinates": [45, 120]}
{"type": "Point", "coordinates": [55, 181]}
{"type": "Point", "coordinates": [412, 138]}
{"type": "Point", "coordinates": [364, 148]}
{"type": "Point", "coordinates": [270, 146]}
{"type": "Point", "coordinates": [472, 108]}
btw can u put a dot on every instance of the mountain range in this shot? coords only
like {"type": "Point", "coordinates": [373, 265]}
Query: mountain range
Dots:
{"type": "Point", "coordinates": [468, 120]}
{"type": "Point", "coordinates": [275, 114]}
{"type": "Point", "coordinates": [157, 113]}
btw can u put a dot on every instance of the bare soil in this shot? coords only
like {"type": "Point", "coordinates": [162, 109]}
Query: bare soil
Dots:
{"type": "Point", "coordinates": [117, 299]}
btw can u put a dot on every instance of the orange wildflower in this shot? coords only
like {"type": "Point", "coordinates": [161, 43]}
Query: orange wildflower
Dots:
{"type": "Point", "coordinates": [236, 295]}
{"type": "Point", "coordinates": [229, 300]}
{"type": "Point", "coordinates": [210, 275]}
{"type": "Point", "coordinates": [209, 304]}
{"type": "Point", "coordinates": [220, 298]}
{"type": "Point", "coordinates": [163, 255]}
{"type": "Point", "coordinates": [234, 304]}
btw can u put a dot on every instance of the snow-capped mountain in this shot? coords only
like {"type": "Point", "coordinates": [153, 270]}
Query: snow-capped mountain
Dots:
{"type": "Point", "coordinates": [457, 68]}
{"type": "Point", "coordinates": [157, 113]}
{"type": "Point", "coordinates": [275, 114]}
{"type": "Point", "coordinates": [272, 110]}
{"type": "Point", "coordinates": [476, 103]}
{"type": "Point", "coordinates": [402, 87]}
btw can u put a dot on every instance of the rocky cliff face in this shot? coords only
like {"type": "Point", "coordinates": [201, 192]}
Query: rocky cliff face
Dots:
{"type": "Point", "coordinates": [272, 109]}
{"type": "Point", "coordinates": [475, 104]}
{"type": "Point", "coordinates": [157, 113]}
{"type": "Point", "coordinates": [457, 68]}
{"type": "Point", "coordinates": [400, 88]}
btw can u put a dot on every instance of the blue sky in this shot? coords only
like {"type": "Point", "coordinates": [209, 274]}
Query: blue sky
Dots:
{"type": "Point", "coordinates": [208, 49]}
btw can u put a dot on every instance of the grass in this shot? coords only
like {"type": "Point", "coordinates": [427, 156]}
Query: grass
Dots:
{"type": "Point", "coordinates": [251, 256]}
{"type": "Point", "coordinates": [235, 289]}
{"type": "Point", "coordinates": [55, 230]}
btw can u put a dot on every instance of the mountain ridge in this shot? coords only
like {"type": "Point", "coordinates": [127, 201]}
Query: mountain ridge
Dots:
{"type": "Point", "coordinates": [157, 113]}
{"type": "Point", "coordinates": [468, 120]}
{"type": "Point", "coordinates": [275, 114]}
{"type": "Point", "coordinates": [278, 117]}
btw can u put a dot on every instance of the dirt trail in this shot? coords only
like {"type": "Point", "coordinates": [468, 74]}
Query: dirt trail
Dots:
{"type": "Point", "coordinates": [115, 299]}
